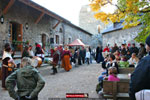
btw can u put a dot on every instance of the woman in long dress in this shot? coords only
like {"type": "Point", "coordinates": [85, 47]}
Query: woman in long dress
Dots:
{"type": "Point", "coordinates": [6, 61]}
{"type": "Point", "coordinates": [99, 56]}
{"type": "Point", "coordinates": [66, 59]}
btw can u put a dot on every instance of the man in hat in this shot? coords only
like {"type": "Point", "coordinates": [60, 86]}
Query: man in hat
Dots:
{"type": "Point", "coordinates": [29, 82]}
{"type": "Point", "coordinates": [140, 78]}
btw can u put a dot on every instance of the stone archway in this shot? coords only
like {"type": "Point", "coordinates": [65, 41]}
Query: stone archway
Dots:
{"type": "Point", "coordinates": [44, 38]}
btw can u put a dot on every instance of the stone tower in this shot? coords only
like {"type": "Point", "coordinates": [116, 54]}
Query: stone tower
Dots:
{"type": "Point", "coordinates": [88, 22]}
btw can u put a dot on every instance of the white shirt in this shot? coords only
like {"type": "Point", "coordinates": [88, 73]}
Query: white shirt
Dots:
{"type": "Point", "coordinates": [6, 54]}
{"type": "Point", "coordinates": [31, 53]}
{"type": "Point", "coordinates": [87, 55]}
{"type": "Point", "coordinates": [133, 61]}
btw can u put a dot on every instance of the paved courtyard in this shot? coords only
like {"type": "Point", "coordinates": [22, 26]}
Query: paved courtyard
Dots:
{"type": "Point", "coordinates": [82, 79]}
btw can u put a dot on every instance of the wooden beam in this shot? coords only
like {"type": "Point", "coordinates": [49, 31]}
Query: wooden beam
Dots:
{"type": "Point", "coordinates": [9, 5]}
{"type": "Point", "coordinates": [56, 24]}
{"type": "Point", "coordinates": [38, 7]}
{"type": "Point", "coordinates": [39, 18]}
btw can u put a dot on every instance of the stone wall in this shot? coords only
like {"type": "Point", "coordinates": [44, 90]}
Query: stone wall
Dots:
{"type": "Point", "coordinates": [88, 22]}
{"type": "Point", "coordinates": [120, 36]}
{"type": "Point", "coordinates": [73, 33]}
{"type": "Point", "coordinates": [22, 14]}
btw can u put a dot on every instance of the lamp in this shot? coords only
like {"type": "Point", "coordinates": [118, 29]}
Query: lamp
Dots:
{"type": "Point", "coordinates": [2, 19]}
{"type": "Point", "coordinates": [19, 35]}
{"type": "Point", "coordinates": [27, 26]}
{"type": "Point", "coordinates": [98, 28]}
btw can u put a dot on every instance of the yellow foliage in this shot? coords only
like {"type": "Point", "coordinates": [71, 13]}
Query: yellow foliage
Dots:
{"type": "Point", "coordinates": [95, 7]}
{"type": "Point", "coordinates": [101, 16]}
{"type": "Point", "coordinates": [121, 15]}
{"type": "Point", "coordinates": [126, 14]}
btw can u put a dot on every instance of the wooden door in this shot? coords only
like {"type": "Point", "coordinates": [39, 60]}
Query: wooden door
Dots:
{"type": "Point", "coordinates": [43, 40]}
{"type": "Point", "coordinates": [10, 32]}
{"type": "Point", "coordinates": [20, 36]}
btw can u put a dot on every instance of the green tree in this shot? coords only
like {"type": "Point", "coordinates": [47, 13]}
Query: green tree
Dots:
{"type": "Point", "coordinates": [133, 12]}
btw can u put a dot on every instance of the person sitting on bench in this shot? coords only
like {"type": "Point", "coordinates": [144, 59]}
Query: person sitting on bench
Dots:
{"type": "Point", "coordinates": [112, 71]}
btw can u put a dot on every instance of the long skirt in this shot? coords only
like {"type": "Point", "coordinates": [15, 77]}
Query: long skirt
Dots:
{"type": "Point", "coordinates": [66, 62]}
{"type": "Point", "coordinates": [5, 74]}
{"type": "Point", "coordinates": [100, 58]}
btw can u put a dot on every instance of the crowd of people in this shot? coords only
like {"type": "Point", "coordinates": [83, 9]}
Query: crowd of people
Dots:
{"type": "Point", "coordinates": [118, 57]}
{"type": "Point", "coordinates": [28, 79]}
{"type": "Point", "coordinates": [111, 59]}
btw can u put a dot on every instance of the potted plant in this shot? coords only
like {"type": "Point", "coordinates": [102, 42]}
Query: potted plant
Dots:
{"type": "Point", "coordinates": [27, 42]}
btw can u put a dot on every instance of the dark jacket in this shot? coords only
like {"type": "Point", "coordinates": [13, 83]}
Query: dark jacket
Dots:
{"type": "Point", "coordinates": [55, 57]}
{"type": "Point", "coordinates": [114, 49]}
{"type": "Point", "coordinates": [142, 52]}
{"type": "Point", "coordinates": [123, 51]}
{"type": "Point", "coordinates": [29, 82]}
{"type": "Point", "coordinates": [25, 53]}
{"type": "Point", "coordinates": [113, 64]}
{"type": "Point", "coordinates": [82, 53]}
{"type": "Point", "coordinates": [140, 78]}
{"type": "Point", "coordinates": [134, 50]}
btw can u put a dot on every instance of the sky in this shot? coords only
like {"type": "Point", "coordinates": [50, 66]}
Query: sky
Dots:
{"type": "Point", "coordinates": [69, 9]}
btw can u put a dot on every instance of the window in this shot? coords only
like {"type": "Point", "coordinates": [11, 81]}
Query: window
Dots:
{"type": "Point", "coordinates": [57, 39]}
{"type": "Point", "coordinates": [69, 40]}
{"type": "Point", "coordinates": [60, 30]}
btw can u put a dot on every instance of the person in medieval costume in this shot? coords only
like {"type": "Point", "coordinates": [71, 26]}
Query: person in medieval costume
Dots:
{"type": "Point", "coordinates": [99, 56]}
{"type": "Point", "coordinates": [7, 63]}
{"type": "Point", "coordinates": [39, 51]}
{"type": "Point", "coordinates": [54, 63]}
{"type": "Point", "coordinates": [66, 59]}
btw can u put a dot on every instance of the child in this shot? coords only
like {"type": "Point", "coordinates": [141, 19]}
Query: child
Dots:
{"type": "Point", "coordinates": [112, 71]}
{"type": "Point", "coordinates": [133, 61]}
{"type": "Point", "coordinates": [124, 63]}
{"type": "Point", "coordinates": [110, 63]}
{"type": "Point", "coordinates": [87, 56]}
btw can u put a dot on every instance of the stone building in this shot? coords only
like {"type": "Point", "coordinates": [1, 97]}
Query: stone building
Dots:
{"type": "Point", "coordinates": [88, 22]}
{"type": "Point", "coordinates": [26, 21]}
{"type": "Point", "coordinates": [115, 34]}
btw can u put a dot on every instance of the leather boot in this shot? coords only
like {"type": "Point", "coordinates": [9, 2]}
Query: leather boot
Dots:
{"type": "Point", "coordinates": [55, 70]}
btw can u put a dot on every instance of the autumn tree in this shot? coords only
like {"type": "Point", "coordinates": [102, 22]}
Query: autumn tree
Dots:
{"type": "Point", "coordinates": [133, 12]}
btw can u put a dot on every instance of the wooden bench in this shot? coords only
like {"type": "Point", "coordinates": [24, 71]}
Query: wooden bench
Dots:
{"type": "Point", "coordinates": [126, 70]}
{"type": "Point", "coordinates": [116, 90]}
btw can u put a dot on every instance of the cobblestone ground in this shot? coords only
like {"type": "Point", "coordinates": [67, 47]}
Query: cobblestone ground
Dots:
{"type": "Point", "coordinates": [82, 79]}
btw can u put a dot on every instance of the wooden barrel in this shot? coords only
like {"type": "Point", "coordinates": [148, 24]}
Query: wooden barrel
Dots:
{"type": "Point", "coordinates": [36, 62]}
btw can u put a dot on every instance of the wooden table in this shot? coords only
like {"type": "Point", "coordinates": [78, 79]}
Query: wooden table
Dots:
{"type": "Point", "coordinates": [123, 77]}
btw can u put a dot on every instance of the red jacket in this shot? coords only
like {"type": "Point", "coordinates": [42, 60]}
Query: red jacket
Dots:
{"type": "Point", "coordinates": [106, 49]}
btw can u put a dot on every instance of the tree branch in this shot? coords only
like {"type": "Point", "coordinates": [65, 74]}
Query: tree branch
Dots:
{"type": "Point", "coordinates": [145, 11]}
{"type": "Point", "coordinates": [115, 5]}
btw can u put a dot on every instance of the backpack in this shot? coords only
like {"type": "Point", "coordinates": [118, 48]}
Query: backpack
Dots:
{"type": "Point", "coordinates": [99, 86]}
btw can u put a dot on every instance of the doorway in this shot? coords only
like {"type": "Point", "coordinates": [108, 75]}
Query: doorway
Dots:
{"type": "Point", "coordinates": [16, 35]}
{"type": "Point", "coordinates": [43, 40]}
